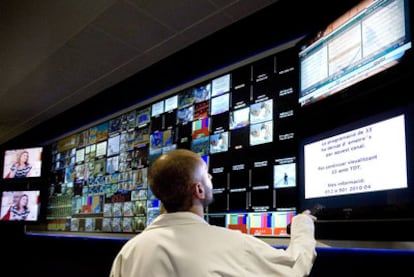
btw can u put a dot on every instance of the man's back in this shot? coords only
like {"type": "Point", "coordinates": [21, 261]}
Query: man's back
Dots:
{"type": "Point", "coordinates": [183, 244]}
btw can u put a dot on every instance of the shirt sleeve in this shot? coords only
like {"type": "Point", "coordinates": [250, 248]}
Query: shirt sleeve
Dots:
{"type": "Point", "coordinates": [302, 244]}
{"type": "Point", "coordinates": [296, 260]}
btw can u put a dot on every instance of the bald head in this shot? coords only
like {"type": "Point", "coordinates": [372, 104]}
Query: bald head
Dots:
{"type": "Point", "coordinates": [172, 177]}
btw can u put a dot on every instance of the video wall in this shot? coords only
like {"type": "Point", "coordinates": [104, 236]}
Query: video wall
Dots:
{"type": "Point", "coordinates": [242, 122]}
{"type": "Point", "coordinates": [282, 131]}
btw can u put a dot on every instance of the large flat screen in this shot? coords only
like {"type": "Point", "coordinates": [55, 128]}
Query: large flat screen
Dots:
{"type": "Point", "coordinates": [360, 170]}
{"type": "Point", "coordinates": [367, 40]}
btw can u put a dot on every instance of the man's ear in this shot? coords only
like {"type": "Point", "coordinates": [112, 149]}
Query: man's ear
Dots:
{"type": "Point", "coordinates": [199, 190]}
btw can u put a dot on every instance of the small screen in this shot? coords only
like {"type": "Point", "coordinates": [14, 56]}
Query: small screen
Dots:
{"type": "Point", "coordinates": [101, 148]}
{"type": "Point", "coordinates": [143, 116]}
{"type": "Point", "coordinates": [20, 205]}
{"type": "Point", "coordinates": [185, 115]}
{"type": "Point", "coordinates": [115, 125]}
{"type": "Point", "coordinates": [200, 128]}
{"type": "Point", "coordinates": [261, 133]}
{"type": "Point", "coordinates": [157, 108]}
{"type": "Point", "coordinates": [185, 98]}
{"type": "Point", "coordinates": [23, 163]}
{"type": "Point", "coordinates": [201, 110]}
{"type": "Point", "coordinates": [113, 145]}
{"type": "Point", "coordinates": [201, 146]}
{"type": "Point", "coordinates": [220, 85]}
{"type": "Point", "coordinates": [260, 223]}
{"type": "Point", "coordinates": [237, 221]}
{"type": "Point", "coordinates": [112, 164]}
{"type": "Point", "coordinates": [171, 103]}
{"type": "Point", "coordinates": [284, 172]}
{"type": "Point", "coordinates": [98, 133]}
{"type": "Point", "coordinates": [281, 220]}
{"type": "Point", "coordinates": [202, 92]}
{"type": "Point", "coordinates": [219, 142]}
{"type": "Point", "coordinates": [262, 111]}
{"type": "Point", "coordinates": [239, 118]}
{"type": "Point", "coordinates": [220, 104]}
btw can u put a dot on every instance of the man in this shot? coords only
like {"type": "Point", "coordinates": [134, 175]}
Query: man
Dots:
{"type": "Point", "coordinates": [180, 243]}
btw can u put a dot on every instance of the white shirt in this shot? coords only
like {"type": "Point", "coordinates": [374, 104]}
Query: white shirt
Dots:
{"type": "Point", "coordinates": [183, 244]}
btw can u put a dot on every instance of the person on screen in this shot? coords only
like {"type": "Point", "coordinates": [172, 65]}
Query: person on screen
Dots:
{"type": "Point", "coordinates": [19, 210]}
{"type": "Point", "coordinates": [179, 242]}
{"type": "Point", "coordinates": [22, 167]}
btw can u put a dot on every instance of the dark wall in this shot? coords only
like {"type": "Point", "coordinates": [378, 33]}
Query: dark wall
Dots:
{"type": "Point", "coordinates": [275, 25]}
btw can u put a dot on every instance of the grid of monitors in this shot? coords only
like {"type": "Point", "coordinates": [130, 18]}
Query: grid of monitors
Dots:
{"type": "Point", "coordinates": [239, 122]}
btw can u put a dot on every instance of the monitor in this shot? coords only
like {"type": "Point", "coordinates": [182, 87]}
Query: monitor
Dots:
{"type": "Point", "coordinates": [220, 104]}
{"type": "Point", "coordinates": [239, 118]}
{"type": "Point", "coordinates": [114, 126]}
{"type": "Point", "coordinates": [261, 133]}
{"type": "Point", "coordinates": [185, 114]}
{"type": "Point", "coordinates": [20, 205]}
{"type": "Point", "coordinates": [143, 116]}
{"type": "Point", "coordinates": [22, 163]}
{"type": "Point", "coordinates": [171, 103]}
{"type": "Point", "coordinates": [201, 110]}
{"type": "Point", "coordinates": [157, 108]}
{"type": "Point", "coordinates": [101, 148]}
{"type": "Point", "coordinates": [368, 40]}
{"type": "Point", "coordinates": [202, 92]}
{"type": "Point", "coordinates": [360, 170]}
{"type": "Point", "coordinates": [219, 142]}
{"type": "Point", "coordinates": [220, 85]}
{"type": "Point", "coordinates": [99, 132]}
{"type": "Point", "coordinates": [113, 145]}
